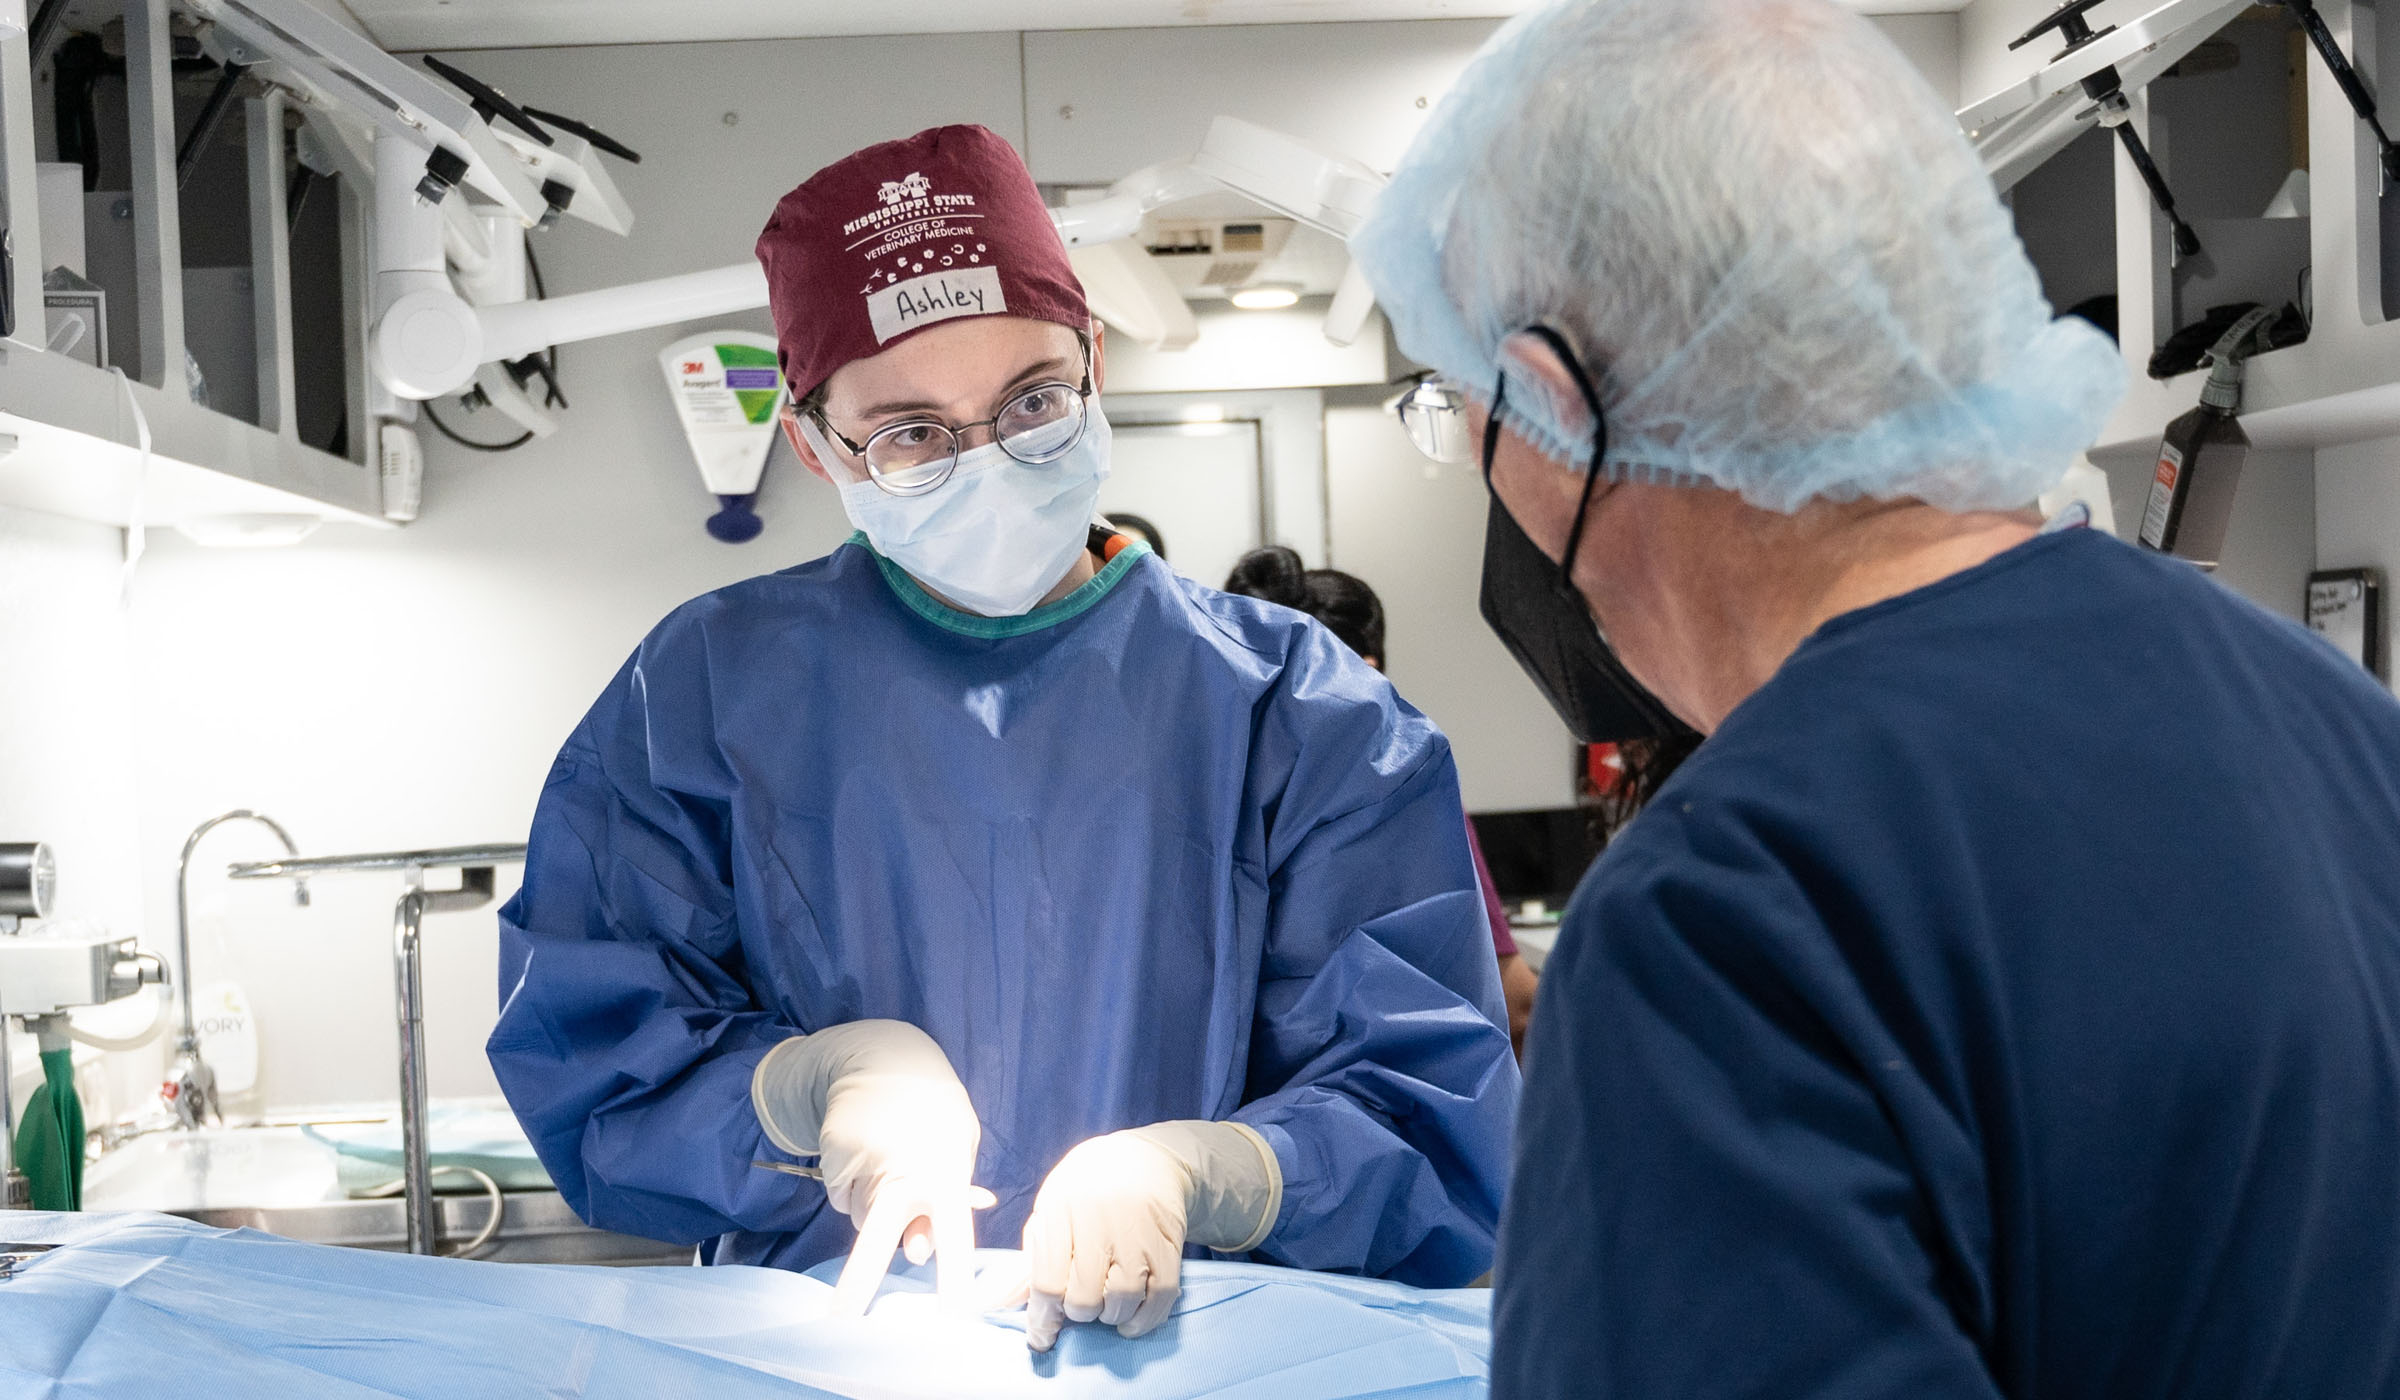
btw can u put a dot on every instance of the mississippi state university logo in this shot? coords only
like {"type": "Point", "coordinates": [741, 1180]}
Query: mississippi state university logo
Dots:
{"type": "Point", "coordinates": [915, 186]}
{"type": "Point", "coordinates": [924, 258]}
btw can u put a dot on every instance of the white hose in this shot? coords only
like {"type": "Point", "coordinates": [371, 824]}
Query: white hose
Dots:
{"type": "Point", "coordinates": [491, 1189]}
{"type": "Point", "coordinates": [159, 1016]}
{"type": "Point", "coordinates": [137, 533]}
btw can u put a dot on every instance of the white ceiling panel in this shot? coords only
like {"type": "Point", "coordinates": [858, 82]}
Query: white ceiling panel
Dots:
{"type": "Point", "coordinates": [459, 24]}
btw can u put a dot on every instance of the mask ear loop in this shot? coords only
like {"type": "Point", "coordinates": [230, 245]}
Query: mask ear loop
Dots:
{"type": "Point", "coordinates": [1591, 475]}
{"type": "Point", "coordinates": [1491, 433]}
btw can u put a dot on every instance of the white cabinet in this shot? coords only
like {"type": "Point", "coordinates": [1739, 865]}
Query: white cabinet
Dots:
{"type": "Point", "coordinates": [73, 427]}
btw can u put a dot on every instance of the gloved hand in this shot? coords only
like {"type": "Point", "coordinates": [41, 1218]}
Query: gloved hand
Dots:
{"type": "Point", "coordinates": [878, 1105]}
{"type": "Point", "coordinates": [1105, 1240]}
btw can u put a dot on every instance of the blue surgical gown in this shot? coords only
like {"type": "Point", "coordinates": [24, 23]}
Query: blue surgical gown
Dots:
{"type": "Point", "coordinates": [2005, 1001]}
{"type": "Point", "coordinates": [1150, 852]}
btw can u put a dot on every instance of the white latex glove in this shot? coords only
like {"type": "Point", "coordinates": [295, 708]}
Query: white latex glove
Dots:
{"type": "Point", "coordinates": [1105, 1240]}
{"type": "Point", "coordinates": [878, 1105]}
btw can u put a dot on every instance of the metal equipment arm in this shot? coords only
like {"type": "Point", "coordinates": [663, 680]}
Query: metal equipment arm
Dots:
{"type": "Point", "coordinates": [2024, 124]}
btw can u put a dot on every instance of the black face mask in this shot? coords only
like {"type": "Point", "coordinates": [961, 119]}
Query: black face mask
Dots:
{"type": "Point", "coordinates": [1534, 607]}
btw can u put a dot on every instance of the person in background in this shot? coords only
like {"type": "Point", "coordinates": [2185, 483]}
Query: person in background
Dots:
{"type": "Point", "coordinates": [986, 862]}
{"type": "Point", "coordinates": [1352, 613]}
{"type": "Point", "coordinates": [2005, 999]}
{"type": "Point", "coordinates": [1127, 523]}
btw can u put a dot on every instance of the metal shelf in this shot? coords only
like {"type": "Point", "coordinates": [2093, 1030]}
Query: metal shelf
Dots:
{"type": "Point", "coordinates": [76, 453]}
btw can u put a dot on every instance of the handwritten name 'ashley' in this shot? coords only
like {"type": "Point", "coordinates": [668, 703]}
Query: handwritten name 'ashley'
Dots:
{"type": "Point", "coordinates": [922, 301]}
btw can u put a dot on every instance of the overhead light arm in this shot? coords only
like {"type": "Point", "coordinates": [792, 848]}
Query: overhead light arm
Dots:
{"type": "Point", "coordinates": [2106, 87]}
{"type": "Point", "coordinates": [2023, 125]}
{"type": "Point", "coordinates": [427, 345]}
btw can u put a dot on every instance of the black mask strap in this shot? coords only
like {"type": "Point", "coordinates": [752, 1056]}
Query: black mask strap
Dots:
{"type": "Point", "coordinates": [1560, 646]}
{"type": "Point", "coordinates": [1591, 476]}
{"type": "Point", "coordinates": [1491, 432]}
{"type": "Point", "coordinates": [1591, 473]}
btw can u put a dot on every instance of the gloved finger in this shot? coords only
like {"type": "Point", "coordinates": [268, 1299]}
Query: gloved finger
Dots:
{"type": "Point", "coordinates": [871, 1258]}
{"type": "Point", "coordinates": [1043, 1319]}
{"type": "Point", "coordinates": [953, 1241]}
{"type": "Point", "coordinates": [1044, 1314]}
{"type": "Point", "coordinates": [1047, 1251]}
{"type": "Point", "coordinates": [1128, 1284]}
{"type": "Point", "coordinates": [1157, 1306]}
{"type": "Point", "coordinates": [1166, 1285]}
{"type": "Point", "coordinates": [916, 1242]}
{"type": "Point", "coordinates": [1087, 1265]}
{"type": "Point", "coordinates": [1003, 1286]}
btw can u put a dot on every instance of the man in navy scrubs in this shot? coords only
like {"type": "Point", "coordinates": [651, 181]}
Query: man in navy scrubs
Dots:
{"type": "Point", "coordinates": [2005, 1000]}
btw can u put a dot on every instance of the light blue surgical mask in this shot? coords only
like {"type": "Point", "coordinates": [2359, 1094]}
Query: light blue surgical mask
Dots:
{"type": "Point", "coordinates": [999, 534]}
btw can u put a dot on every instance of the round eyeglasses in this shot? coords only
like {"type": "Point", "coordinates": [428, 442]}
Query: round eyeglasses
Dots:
{"type": "Point", "coordinates": [1036, 426]}
{"type": "Point", "coordinates": [1434, 411]}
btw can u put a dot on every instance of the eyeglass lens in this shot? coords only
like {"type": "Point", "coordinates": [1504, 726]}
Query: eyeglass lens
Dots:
{"type": "Point", "coordinates": [1037, 426]}
{"type": "Point", "coordinates": [1435, 416]}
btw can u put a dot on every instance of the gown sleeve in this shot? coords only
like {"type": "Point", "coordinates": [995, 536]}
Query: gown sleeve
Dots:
{"type": "Point", "coordinates": [627, 1037]}
{"type": "Point", "coordinates": [1735, 1178]}
{"type": "Point", "coordinates": [1380, 1071]}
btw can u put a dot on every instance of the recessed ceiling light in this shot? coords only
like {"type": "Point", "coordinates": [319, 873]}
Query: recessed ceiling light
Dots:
{"type": "Point", "coordinates": [1265, 298]}
{"type": "Point", "coordinates": [256, 530]}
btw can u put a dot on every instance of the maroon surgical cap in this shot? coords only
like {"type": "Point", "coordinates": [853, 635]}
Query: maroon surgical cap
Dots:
{"type": "Point", "coordinates": [890, 240]}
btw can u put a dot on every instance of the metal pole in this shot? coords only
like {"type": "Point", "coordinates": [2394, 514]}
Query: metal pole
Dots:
{"type": "Point", "coordinates": [195, 144]}
{"type": "Point", "coordinates": [408, 975]}
{"type": "Point", "coordinates": [271, 267]}
{"type": "Point", "coordinates": [44, 30]}
{"type": "Point", "coordinates": [157, 226]}
{"type": "Point", "coordinates": [10, 1197]}
{"type": "Point", "coordinates": [17, 187]}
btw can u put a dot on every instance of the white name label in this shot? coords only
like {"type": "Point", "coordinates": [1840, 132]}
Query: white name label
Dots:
{"type": "Point", "coordinates": [2162, 496]}
{"type": "Point", "coordinates": [937, 296]}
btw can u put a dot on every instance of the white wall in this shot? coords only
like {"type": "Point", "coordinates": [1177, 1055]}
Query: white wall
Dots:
{"type": "Point", "coordinates": [2358, 516]}
{"type": "Point", "coordinates": [1414, 531]}
{"type": "Point", "coordinates": [66, 721]}
{"type": "Point", "coordinates": [1932, 44]}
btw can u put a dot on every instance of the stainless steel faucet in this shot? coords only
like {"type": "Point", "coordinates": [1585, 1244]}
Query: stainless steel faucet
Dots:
{"type": "Point", "coordinates": [477, 882]}
{"type": "Point", "coordinates": [191, 1087]}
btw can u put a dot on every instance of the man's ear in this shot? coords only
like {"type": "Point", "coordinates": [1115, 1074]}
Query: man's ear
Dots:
{"type": "Point", "coordinates": [1535, 371]}
{"type": "Point", "coordinates": [803, 449]}
{"type": "Point", "coordinates": [1099, 356]}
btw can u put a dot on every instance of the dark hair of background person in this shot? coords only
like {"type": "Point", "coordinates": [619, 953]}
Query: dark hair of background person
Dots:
{"type": "Point", "coordinates": [1127, 520]}
{"type": "Point", "coordinates": [1348, 608]}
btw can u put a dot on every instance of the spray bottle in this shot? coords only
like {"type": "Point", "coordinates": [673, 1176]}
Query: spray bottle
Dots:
{"type": "Point", "coordinates": [2200, 460]}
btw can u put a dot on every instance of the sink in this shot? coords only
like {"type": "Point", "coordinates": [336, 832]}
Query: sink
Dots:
{"type": "Point", "coordinates": [213, 1169]}
{"type": "Point", "coordinates": [288, 1181]}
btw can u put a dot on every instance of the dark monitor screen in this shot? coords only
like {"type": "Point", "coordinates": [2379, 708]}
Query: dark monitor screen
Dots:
{"type": "Point", "coordinates": [1537, 855]}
